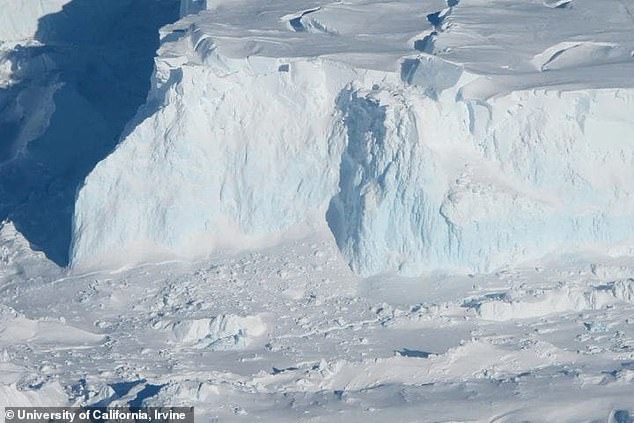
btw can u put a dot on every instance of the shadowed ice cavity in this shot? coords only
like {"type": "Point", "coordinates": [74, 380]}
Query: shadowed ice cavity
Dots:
{"type": "Point", "coordinates": [95, 64]}
{"type": "Point", "coordinates": [365, 122]}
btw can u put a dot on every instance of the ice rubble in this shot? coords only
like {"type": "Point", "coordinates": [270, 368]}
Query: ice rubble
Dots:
{"type": "Point", "coordinates": [542, 302]}
{"type": "Point", "coordinates": [223, 332]}
{"type": "Point", "coordinates": [427, 135]}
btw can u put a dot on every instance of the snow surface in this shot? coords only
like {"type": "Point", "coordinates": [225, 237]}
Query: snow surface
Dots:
{"type": "Point", "coordinates": [289, 334]}
{"type": "Point", "coordinates": [19, 19]}
{"type": "Point", "coordinates": [288, 149]}
{"type": "Point", "coordinates": [425, 135]}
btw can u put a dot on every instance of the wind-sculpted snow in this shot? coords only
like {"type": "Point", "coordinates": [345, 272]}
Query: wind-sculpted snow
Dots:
{"type": "Point", "coordinates": [271, 120]}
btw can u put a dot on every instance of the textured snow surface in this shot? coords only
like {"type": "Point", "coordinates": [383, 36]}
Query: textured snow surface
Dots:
{"type": "Point", "coordinates": [425, 135]}
{"type": "Point", "coordinates": [359, 137]}
{"type": "Point", "coordinates": [290, 334]}
{"type": "Point", "coordinates": [217, 333]}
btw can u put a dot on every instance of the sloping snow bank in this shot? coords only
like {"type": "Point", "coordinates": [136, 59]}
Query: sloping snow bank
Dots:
{"type": "Point", "coordinates": [49, 395]}
{"type": "Point", "coordinates": [244, 141]}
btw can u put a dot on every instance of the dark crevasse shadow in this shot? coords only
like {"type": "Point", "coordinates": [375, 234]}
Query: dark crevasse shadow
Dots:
{"type": "Point", "coordinates": [75, 95]}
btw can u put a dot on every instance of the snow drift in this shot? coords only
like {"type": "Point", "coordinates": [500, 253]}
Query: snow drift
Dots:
{"type": "Point", "coordinates": [272, 120]}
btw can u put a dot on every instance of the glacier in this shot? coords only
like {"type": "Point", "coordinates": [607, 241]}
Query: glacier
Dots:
{"type": "Point", "coordinates": [292, 140]}
{"type": "Point", "coordinates": [67, 91]}
{"type": "Point", "coordinates": [423, 134]}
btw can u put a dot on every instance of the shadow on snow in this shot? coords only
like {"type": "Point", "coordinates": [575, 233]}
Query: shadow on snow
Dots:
{"type": "Point", "coordinates": [94, 65]}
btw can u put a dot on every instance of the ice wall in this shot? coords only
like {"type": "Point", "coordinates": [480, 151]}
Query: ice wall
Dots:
{"type": "Point", "coordinates": [203, 174]}
{"type": "Point", "coordinates": [412, 161]}
{"type": "Point", "coordinates": [475, 185]}
{"type": "Point", "coordinates": [66, 95]}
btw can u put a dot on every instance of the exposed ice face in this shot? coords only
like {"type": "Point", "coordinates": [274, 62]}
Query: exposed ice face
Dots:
{"type": "Point", "coordinates": [391, 184]}
{"type": "Point", "coordinates": [476, 186]}
{"type": "Point", "coordinates": [238, 180]}
{"type": "Point", "coordinates": [67, 92]}
{"type": "Point", "coordinates": [414, 162]}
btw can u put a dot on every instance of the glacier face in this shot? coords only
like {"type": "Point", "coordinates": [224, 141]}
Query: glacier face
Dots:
{"type": "Point", "coordinates": [254, 182]}
{"type": "Point", "coordinates": [523, 175]}
{"type": "Point", "coordinates": [67, 91]}
{"type": "Point", "coordinates": [266, 121]}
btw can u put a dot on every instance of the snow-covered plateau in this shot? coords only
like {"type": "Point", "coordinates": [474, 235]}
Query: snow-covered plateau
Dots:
{"type": "Point", "coordinates": [425, 135]}
{"type": "Point", "coordinates": [319, 211]}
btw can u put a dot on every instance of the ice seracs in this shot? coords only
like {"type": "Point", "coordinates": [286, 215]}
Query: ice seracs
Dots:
{"type": "Point", "coordinates": [279, 119]}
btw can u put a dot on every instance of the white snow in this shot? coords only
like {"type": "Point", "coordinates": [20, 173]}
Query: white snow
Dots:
{"type": "Point", "coordinates": [224, 336]}
{"type": "Point", "coordinates": [50, 395]}
{"type": "Point", "coordinates": [287, 150]}
{"type": "Point", "coordinates": [19, 19]}
{"type": "Point", "coordinates": [217, 333]}
{"type": "Point", "coordinates": [538, 303]}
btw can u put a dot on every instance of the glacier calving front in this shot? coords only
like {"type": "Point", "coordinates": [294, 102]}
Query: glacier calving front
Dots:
{"type": "Point", "coordinates": [420, 148]}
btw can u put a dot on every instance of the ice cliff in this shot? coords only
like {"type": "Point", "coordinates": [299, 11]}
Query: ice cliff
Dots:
{"type": "Point", "coordinates": [72, 74]}
{"type": "Point", "coordinates": [424, 134]}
